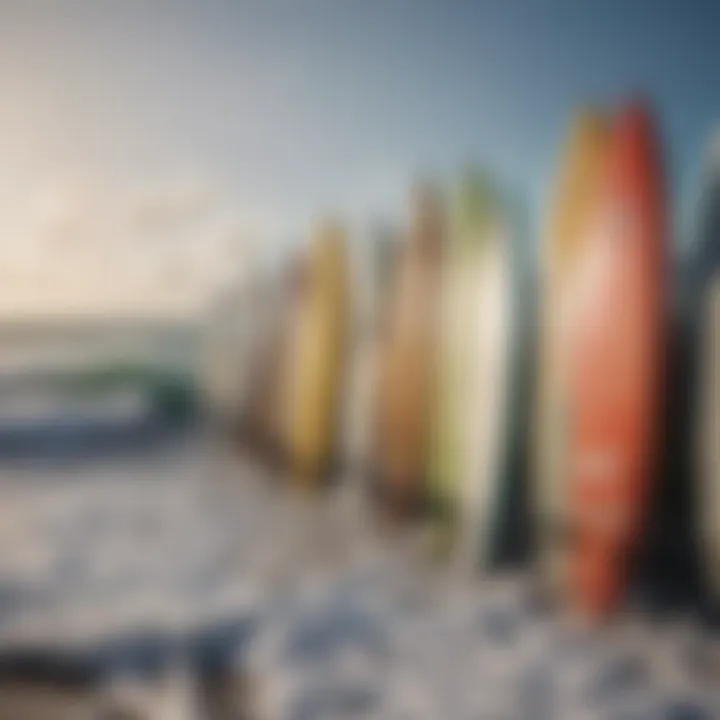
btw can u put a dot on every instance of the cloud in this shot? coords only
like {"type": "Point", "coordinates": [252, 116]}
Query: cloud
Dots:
{"type": "Point", "coordinates": [88, 246]}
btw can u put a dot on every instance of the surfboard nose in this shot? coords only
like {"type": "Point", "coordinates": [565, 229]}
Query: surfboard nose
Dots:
{"type": "Point", "coordinates": [635, 156]}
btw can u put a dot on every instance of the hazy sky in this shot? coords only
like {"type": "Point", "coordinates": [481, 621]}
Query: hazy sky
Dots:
{"type": "Point", "coordinates": [144, 144]}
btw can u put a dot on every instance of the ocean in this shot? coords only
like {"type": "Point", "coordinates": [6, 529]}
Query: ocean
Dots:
{"type": "Point", "coordinates": [41, 344]}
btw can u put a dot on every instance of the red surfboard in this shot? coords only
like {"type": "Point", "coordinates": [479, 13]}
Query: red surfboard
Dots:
{"type": "Point", "coordinates": [617, 361]}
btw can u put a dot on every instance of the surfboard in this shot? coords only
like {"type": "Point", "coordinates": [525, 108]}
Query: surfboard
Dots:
{"type": "Point", "coordinates": [576, 191]}
{"type": "Point", "coordinates": [369, 271]}
{"type": "Point", "coordinates": [270, 309]}
{"type": "Point", "coordinates": [409, 338]}
{"type": "Point", "coordinates": [709, 438]}
{"type": "Point", "coordinates": [473, 482]}
{"type": "Point", "coordinates": [226, 350]}
{"type": "Point", "coordinates": [704, 282]}
{"type": "Point", "coordinates": [616, 365]}
{"type": "Point", "coordinates": [315, 358]}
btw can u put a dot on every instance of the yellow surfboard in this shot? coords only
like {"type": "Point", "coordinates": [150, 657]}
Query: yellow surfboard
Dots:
{"type": "Point", "coordinates": [315, 358]}
{"type": "Point", "coordinates": [406, 372]}
{"type": "Point", "coordinates": [575, 194]}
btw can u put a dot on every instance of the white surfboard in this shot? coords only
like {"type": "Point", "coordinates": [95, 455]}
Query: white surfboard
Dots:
{"type": "Point", "coordinates": [488, 376]}
{"type": "Point", "coordinates": [472, 422]}
{"type": "Point", "coordinates": [703, 323]}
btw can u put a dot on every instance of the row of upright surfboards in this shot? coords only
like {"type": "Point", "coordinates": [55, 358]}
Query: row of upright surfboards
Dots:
{"type": "Point", "coordinates": [506, 421]}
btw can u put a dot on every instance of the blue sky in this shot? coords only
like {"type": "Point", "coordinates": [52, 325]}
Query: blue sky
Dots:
{"type": "Point", "coordinates": [224, 120]}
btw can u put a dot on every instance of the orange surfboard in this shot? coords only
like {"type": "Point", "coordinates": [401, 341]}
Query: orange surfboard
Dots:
{"type": "Point", "coordinates": [573, 205]}
{"type": "Point", "coordinates": [404, 383]}
{"type": "Point", "coordinates": [616, 373]}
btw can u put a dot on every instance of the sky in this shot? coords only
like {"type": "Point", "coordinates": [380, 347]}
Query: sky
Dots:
{"type": "Point", "coordinates": [148, 151]}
